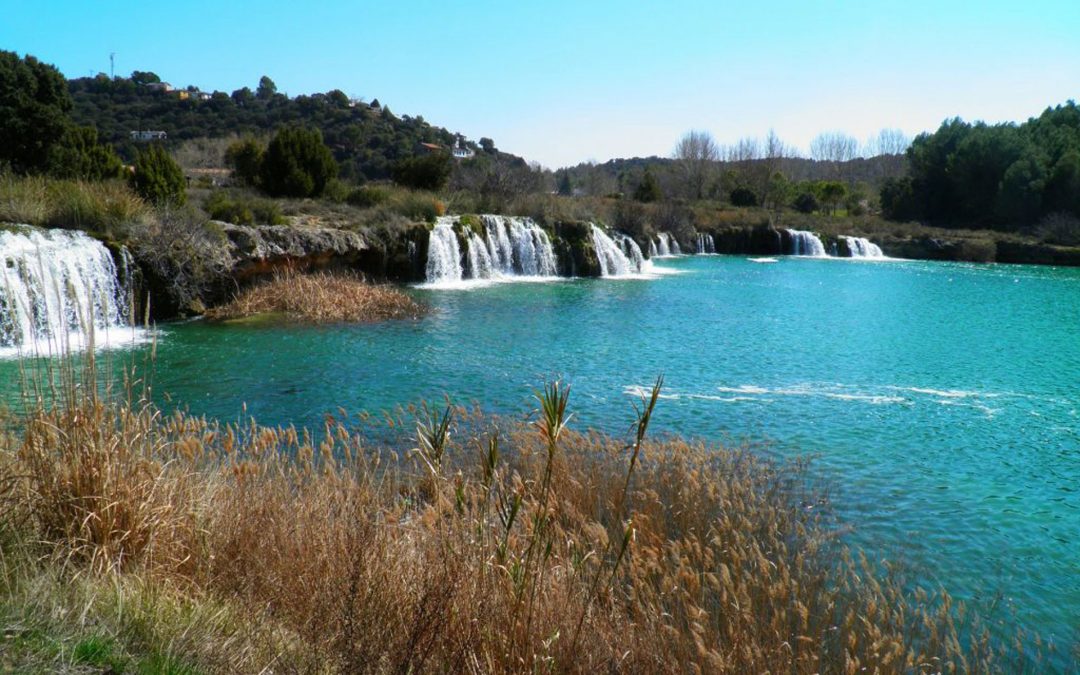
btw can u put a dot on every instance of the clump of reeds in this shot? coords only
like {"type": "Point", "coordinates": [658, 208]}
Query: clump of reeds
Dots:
{"type": "Point", "coordinates": [320, 298]}
{"type": "Point", "coordinates": [103, 207]}
{"type": "Point", "coordinates": [492, 545]}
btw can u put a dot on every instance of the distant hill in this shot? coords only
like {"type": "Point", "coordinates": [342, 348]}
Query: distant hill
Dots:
{"type": "Point", "coordinates": [365, 137]}
{"type": "Point", "coordinates": [623, 175]}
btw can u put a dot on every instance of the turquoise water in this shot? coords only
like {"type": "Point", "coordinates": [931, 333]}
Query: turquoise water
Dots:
{"type": "Point", "coordinates": [942, 398]}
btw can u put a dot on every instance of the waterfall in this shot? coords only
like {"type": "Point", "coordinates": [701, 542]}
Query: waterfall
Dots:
{"type": "Point", "coordinates": [663, 247]}
{"type": "Point", "coordinates": [632, 251]}
{"type": "Point", "coordinates": [509, 247]}
{"type": "Point", "coordinates": [675, 250]}
{"type": "Point", "coordinates": [444, 255]}
{"type": "Point", "coordinates": [57, 284]}
{"type": "Point", "coordinates": [498, 244]}
{"type": "Point", "coordinates": [533, 253]}
{"type": "Point", "coordinates": [652, 249]}
{"type": "Point", "coordinates": [616, 258]}
{"type": "Point", "coordinates": [806, 243]}
{"type": "Point", "coordinates": [480, 263]}
{"type": "Point", "coordinates": [860, 247]}
{"type": "Point", "coordinates": [705, 244]}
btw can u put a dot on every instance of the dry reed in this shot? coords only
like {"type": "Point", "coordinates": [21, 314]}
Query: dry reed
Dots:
{"type": "Point", "coordinates": [493, 545]}
{"type": "Point", "coordinates": [320, 298]}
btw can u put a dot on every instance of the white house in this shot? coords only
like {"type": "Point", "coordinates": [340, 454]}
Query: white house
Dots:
{"type": "Point", "coordinates": [143, 136]}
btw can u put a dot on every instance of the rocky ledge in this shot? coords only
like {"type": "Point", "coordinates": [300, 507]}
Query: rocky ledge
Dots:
{"type": "Point", "coordinates": [257, 251]}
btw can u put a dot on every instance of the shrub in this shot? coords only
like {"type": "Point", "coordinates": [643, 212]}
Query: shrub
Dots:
{"type": "Point", "coordinates": [1060, 228]}
{"type": "Point", "coordinates": [245, 158]}
{"type": "Point", "coordinates": [297, 164]}
{"type": "Point", "coordinates": [80, 155]}
{"type": "Point", "coordinates": [367, 196]}
{"type": "Point", "coordinates": [743, 196]}
{"type": "Point", "coordinates": [424, 172]}
{"type": "Point", "coordinates": [806, 202]}
{"type": "Point", "coordinates": [648, 190]}
{"type": "Point", "coordinates": [417, 205]}
{"type": "Point", "coordinates": [243, 210]}
{"type": "Point", "coordinates": [158, 178]}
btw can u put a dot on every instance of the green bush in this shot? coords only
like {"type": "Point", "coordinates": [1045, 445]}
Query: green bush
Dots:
{"type": "Point", "coordinates": [242, 209]}
{"type": "Point", "coordinates": [297, 164]}
{"type": "Point", "coordinates": [367, 196]}
{"type": "Point", "coordinates": [417, 206]}
{"type": "Point", "coordinates": [80, 155]}
{"type": "Point", "coordinates": [806, 202]}
{"type": "Point", "coordinates": [423, 172]}
{"type": "Point", "coordinates": [742, 196]}
{"type": "Point", "coordinates": [158, 178]}
{"type": "Point", "coordinates": [245, 158]}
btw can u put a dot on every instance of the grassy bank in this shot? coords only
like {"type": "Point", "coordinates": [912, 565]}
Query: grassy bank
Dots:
{"type": "Point", "coordinates": [319, 298]}
{"type": "Point", "coordinates": [150, 542]}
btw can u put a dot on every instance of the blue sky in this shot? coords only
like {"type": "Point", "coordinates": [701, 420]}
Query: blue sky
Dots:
{"type": "Point", "coordinates": [566, 81]}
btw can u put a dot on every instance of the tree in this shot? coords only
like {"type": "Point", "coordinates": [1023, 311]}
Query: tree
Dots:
{"type": "Point", "coordinates": [834, 147]}
{"type": "Point", "coordinates": [34, 107]}
{"type": "Point", "coordinates": [648, 190]}
{"type": "Point", "coordinates": [423, 172]}
{"type": "Point", "coordinates": [487, 145]}
{"type": "Point", "coordinates": [831, 193]}
{"type": "Point", "coordinates": [805, 202]}
{"type": "Point", "coordinates": [158, 178]}
{"type": "Point", "coordinates": [297, 164]}
{"type": "Point", "coordinates": [242, 97]}
{"type": "Point", "coordinates": [565, 187]}
{"type": "Point", "coordinates": [743, 196]}
{"type": "Point", "coordinates": [144, 77]}
{"type": "Point", "coordinates": [897, 199]}
{"type": "Point", "coordinates": [267, 89]}
{"type": "Point", "coordinates": [80, 155]}
{"type": "Point", "coordinates": [245, 157]}
{"type": "Point", "coordinates": [696, 154]}
{"type": "Point", "coordinates": [888, 142]}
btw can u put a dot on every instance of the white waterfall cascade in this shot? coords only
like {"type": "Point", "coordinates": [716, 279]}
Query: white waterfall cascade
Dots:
{"type": "Point", "coordinates": [861, 247]}
{"type": "Point", "coordinates": [653, 252]}
{"type": "Point", "coordinates": [705, 244]}
{"type": "Point", "coordinates": [59, 290]}
{"type": "Point", "coordinates": [617, 258]}
{"type": "Point", "coordinates": [666, 245]}
{"type": "Point", "coordinates": [510, 247]}
{"type": "Point", "coordinates": [444, 254]}
{"type": "Point", "coordinates": [806, 243]}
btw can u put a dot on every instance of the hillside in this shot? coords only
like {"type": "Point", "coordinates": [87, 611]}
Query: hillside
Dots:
{"type": "Point", "coordinates": [365, 137]}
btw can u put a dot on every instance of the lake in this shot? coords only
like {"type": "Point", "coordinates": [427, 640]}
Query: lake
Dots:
{"type": "Point", "coordinates": [940, 399]}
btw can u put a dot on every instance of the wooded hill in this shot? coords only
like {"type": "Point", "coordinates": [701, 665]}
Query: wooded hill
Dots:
{"type": "Point", "coordinates": [366, 138]}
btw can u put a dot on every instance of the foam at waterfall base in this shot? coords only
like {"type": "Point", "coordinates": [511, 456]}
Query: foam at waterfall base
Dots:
{"type": "Point", "coordinates": [73, 342]}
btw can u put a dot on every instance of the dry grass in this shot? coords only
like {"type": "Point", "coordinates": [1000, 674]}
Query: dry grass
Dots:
{"type": "Point", "coordinates": [490, 546]}
{"type": "Point", "coordinates": [107, 208]}
{"type": "Point", "coordinates": [320, 298]}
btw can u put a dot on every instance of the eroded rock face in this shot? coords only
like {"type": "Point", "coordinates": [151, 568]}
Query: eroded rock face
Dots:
{"type": "Point", "coordinates": [260, 250]}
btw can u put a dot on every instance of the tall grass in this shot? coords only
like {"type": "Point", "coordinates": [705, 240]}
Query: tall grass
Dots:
{"type": "Point", "coordinates": [106, 208]}
{"type": "Point", "coordinates": [481, 545]}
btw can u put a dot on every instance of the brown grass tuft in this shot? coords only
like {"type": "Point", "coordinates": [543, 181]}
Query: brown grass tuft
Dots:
{"type": "Point", "coordinates": [492, 545]}
{"type": "Point", "coordinates": [320, 298]}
